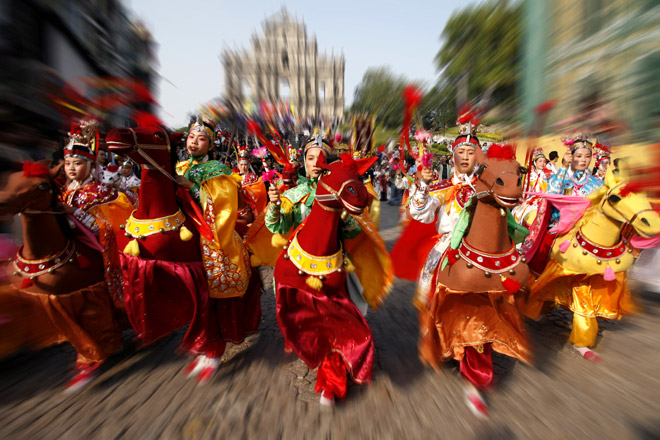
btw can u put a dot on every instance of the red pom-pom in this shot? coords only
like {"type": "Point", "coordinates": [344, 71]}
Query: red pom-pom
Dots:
{"type": "Point", "coordinates": [31, 169]}
{"type": "Point", "coordinates": [511, 285]}
{"type": "Point", "coordinates": [632, 187]}
{"type": "Point", "coordinates": [452, 256]}
{"type": "Point", "coordinates": [501, 152]}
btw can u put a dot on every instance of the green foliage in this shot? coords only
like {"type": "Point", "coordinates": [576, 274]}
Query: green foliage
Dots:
{"type": "Point", "coordinates": [483, 42]}
{"type": "Point", "coordinates": [439, 149]}
{"type": "Point", "coordinates": [379, 93]}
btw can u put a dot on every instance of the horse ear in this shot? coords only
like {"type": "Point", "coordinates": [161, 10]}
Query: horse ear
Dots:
{"type": "Point", "coordinates": [481, 156]}
{"type": "Point", "coordinates": [612, 179]}
{"type": "Point", "coordinates": [176, 137]}
{"type": "Point", "coordinates": [55, 170]}
{"type": "Point", "coordinates": [364, 164]}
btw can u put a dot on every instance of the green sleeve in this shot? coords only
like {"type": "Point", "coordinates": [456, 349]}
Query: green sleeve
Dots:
{"type": "Point", "coordinates": [350, 228]}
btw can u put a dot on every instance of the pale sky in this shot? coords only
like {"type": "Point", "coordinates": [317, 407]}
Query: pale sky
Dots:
{"type": "Point", "coordinates": [191, 35]}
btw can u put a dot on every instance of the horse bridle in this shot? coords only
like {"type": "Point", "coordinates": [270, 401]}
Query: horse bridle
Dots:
{"type": "Point", "coordinates": [627, 224]}
{"type": "Point", "coordinates": [141, 147]}
{"type": "Point", "coordinates": [479, 172]}
{"type": "Point", "coordinates": [335, 195]}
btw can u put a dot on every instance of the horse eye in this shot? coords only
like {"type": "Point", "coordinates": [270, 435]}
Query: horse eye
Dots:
{"type": "Point", "coordinates": [523, 170]}
{"type": "Point", "coordinates": [351, 190]}
{"type": "Point", "coordinates": [614, 199]}
{"type": "Point", "coordinates": [43, 187]}
{"type": "Point", "coordinates": [159, 135]}
{"type": "Point", "coordinates": [499, 181]}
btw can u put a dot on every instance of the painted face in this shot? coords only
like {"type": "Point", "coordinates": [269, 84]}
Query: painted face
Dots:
{"type": "Point", "coordinates": [76, 169]}
{"type": "Point", "coordinates": [540, 163]}
{"type": "Point", "coordinates": [581, 159]}
{"type": "Point", "coordinates": [243, 167]}
{"type": "Point", "coordinates": [464, 159]}
{"type": "Point", "coordinates": [312, 161]}
{"type": "Point", "coordinates": [604, 163]}
{"type": "Point", "coordinates": [125, 171]}
{"type": "Point", "coordinates": [198, 143]}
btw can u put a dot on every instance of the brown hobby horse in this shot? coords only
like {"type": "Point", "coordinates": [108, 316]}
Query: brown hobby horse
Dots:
{"type": "Point", "coordinates": [480, 285]}
{"type": "Point", "coordinates": [57, 290]}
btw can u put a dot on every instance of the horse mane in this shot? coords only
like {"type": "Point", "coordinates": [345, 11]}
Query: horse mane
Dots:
{"type": "Point", "coordinates": [62, 221]}
{"type": "Point", "coordinates": [595, 199]}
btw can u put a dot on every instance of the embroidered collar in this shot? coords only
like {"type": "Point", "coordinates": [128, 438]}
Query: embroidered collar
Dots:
{"type": "Point", "coordinates": [313, 264]}
{"type": "Point", "coordinates": [493, 263]}
{"type": "Point", "coordinates": [598, 251]}
{"type": "Point", "coordinates": [33, 268]}
{"type": "Point", "coordinates": [137, 228]}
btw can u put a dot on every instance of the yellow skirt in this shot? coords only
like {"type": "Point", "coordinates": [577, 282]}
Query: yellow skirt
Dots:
{"type": "Point", "coordinates": [587, 295]}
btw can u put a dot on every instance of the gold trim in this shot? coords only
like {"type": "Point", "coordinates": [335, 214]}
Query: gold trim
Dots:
{"type": "Point", "coordinates": [313, 264]}
{"type": "Point", "coordinates": [142, 228]}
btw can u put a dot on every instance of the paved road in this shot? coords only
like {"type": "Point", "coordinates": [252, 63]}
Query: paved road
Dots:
{"type": "Point", "coordinates": [260, 392]}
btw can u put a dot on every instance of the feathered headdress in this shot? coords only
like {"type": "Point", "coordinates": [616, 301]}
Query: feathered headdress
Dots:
{"type": "Point", "coordinates": [83, 140]}
{"type": "Point", "coordinates": [467, 122]}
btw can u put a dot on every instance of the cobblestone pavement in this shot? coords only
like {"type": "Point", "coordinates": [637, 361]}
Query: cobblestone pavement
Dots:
{"type": "Point", "coordinates": [261, 392]}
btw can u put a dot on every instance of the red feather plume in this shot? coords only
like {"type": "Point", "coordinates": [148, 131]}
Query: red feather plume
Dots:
{"type": "Point", "coordinates": [32, 169]}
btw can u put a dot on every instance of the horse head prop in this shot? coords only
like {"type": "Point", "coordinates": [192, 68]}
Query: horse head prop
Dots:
{"type": "Point", "coordinates": [483, 242]}
{"type": "Point", "coordinates": [604, 239]}
{"type": "Point", "coordinates": [499, 175]}
{"type": "Point", "coordinates": [340, 185]}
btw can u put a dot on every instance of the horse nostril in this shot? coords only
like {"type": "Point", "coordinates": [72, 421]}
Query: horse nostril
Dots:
{"type": "Point", "coordinates": [499, 181]}
{"type": "Point", "coordinates": [646, 222]}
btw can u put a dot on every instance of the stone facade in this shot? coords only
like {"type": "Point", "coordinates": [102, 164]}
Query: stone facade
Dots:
{"type": "Point", "coordinates": [284, 65]}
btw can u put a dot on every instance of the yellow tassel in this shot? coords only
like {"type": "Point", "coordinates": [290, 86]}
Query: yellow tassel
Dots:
{"type": "Point", "coordinates": [185, 234]}
{"type": "Point", "coordinates": [278, 240]}
{"type": "Point", "coordinates": [314, 283]}
{"type": "Point", "coordinates": [349, 266]}
{"type": "Point", "coordinates": [132, 248]}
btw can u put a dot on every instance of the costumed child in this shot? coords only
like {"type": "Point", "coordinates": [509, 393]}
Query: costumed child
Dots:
{"type": "Point", "coordinates": [473, 303]}
{"type": "Point", "coordinates": [230, 278]}
{"type": "Point", "coordinates": [417, 252]}
{"type": "Point", "coordinates": [102, 209]}
{"type": "Point", "coordinates": [330, 332]}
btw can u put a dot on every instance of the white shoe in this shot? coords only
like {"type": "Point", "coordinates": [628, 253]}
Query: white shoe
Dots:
{"type": "Point", "coordinates": [208, 370]}
{"type": "Point", "coordinates": [476, 402]}
{"type": "Point", "coordinates": [327, 399]}
{"type": "Point", "coordinates": [195, 366]}
{"type": "Point", "coordinates": [588, 354]}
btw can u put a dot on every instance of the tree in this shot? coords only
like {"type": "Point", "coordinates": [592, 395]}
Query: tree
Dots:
{"type": "Point", "coordinates": [481, 46]}
{"type": "Point", "coordinates": [379, 93]}
{"type": "Point", "coordinates": [438, 108]}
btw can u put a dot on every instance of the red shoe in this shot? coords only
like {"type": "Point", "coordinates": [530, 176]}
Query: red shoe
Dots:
{"type": "Point", "coordinates": [82, 378]}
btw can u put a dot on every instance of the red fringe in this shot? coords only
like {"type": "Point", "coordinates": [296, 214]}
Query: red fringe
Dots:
{"type": "Point", "coordinates": [502, 152]}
